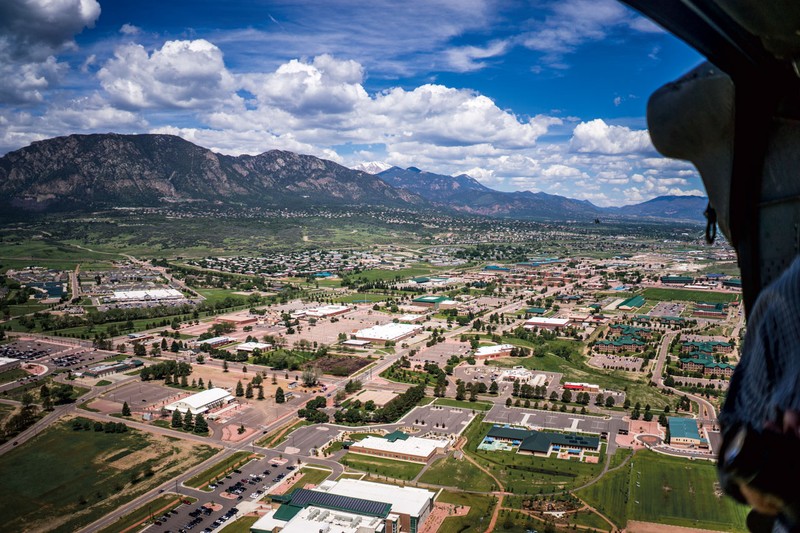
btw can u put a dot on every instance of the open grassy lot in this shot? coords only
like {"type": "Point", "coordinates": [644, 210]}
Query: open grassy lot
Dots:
{"type": "Point", "coordinates": [241, 525]}
{"type": "Point", "coordinates": [461, 474]}
{"type": "Point", "coordinates": [312, 476]}
{"type": "Point", "coordinates": [65, 479]}
{"type": "Point", "coordinates": [477, 406]}
{"type": "Point", "coordinates": [379, 466]}
{"type": "Point", "coordinates": [34, 389]}
{"type": "Point", "coordinates": [480, 512]}
{"type": "Point", "coordinates": [362, 297]}
{"type": "Point", "coordinates": [12, 375]}
{"type": "Point", "coordinates": [218, 470]}
{"type": "Point", "coordinates": [636, 385]}
{"type": "Point", "coordinates": [5, 412]}
{"type": "Point", "coordinates": [155, 507]}
{"type": "Point", "coordinates": [666, 490]}
{"type": "Point", "coordinates": [688, 295]}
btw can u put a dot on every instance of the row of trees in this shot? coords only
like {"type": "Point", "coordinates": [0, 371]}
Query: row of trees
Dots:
{"type": "Point", "coordinates": [196, 423]}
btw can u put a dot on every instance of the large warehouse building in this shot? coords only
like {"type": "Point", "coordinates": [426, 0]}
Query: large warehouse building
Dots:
{"type": "Point", "coordinates": [8, 363]}
{"type": "Point", "coordinates": [683, 431]}
{"type": "Point", "coordinates": [388, 332]}
{"type": "Point", "coordinates": [349, 506]}
{"type": "Point", "coordinates": [202, 402]}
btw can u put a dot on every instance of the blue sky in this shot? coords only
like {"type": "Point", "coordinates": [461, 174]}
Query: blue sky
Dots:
{"type": "Point", "coordinates": [540, 95]}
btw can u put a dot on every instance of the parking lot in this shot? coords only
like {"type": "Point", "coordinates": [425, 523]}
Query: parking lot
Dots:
{"type": "Point", "coordinates": [438, 420]}
{"type": "Point", "coordinates": [141, 394]}
{"type": "Point", "coordinates": [248, 483]}
{"type": "Point", "coordinates": [667, 309]}
{"type": "Point", "coordinates": [616, 362]}
{"type": "Point", "coordinates": [438, 354]}
{"type": "Point", "coordinates": [304, 439]}
{"type": "Point", "coordinates": [26, 350]}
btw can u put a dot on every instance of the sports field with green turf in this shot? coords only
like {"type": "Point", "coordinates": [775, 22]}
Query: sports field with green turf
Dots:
{"type": "Point", "coordinates": [666, 490]}
{"type": "Point", "coordinates": [688, 295]}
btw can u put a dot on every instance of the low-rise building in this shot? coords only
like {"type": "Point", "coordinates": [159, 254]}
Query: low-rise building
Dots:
{"type": "Point", "coordinates": [493, 352]}
{"type": "Point", "coordinates": [620, 344]}
{"type": "Point", "coordinates": [250, 347]}
{"type": "Point", "coordinates": [392, 331]}
{"type": "Point", "coordinates": [349, 506]}
{"type": "Point", "coordinates": [398, 445]}
{"type": "Point", "coordinates": [202, 402]}
{"type": "Point", "coordinates": [112, 368]}
{"type": "Point", "coordinates": [684, 431]}
{"type": "Point", "coordinates": [546, 323]}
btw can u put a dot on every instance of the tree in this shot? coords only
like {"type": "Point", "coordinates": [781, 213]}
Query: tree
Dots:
{"type": "Point", "coordinates": [566, 396]}
{"type": "Point", "coordinates": [176, 419]}
{"type": "Point", "coordinates": [126, 410]}
{"type": "Point", "coordinates": [626, 404]}
{"type": "Point", "coordinates": [554, 396]}
{"type": "Point", "coordinates": [210, 384]}
{"type": "Point", "coordinates": [239, 389]}
{"type": "Point", "coordinates": [599, 399]}
{"type": "Point", "coordinates": [200, 359]}
{"type": "Point", "coordinates": [508, 402]}
{"type": "Point", "coordinates": [200, 383]}
{"type": "Point", "coordinates": [184, 381]}
{"type": "Point", "coordinates": [493, 388]}
{"type": "Point", "coordinates": [139, 350]}
{"type": "Point", "coordinates": [249, 391]}
{"type": "Point", "coordinates": [187, 420]}
{"type": "Point", "coordinates": [461, 391]}
{"type": "Point", "coordinates": [662, 419]}
{"type": "Point", "coordinates": [200, 425]}
{"type": "Point", "coordinates": [224, 366]}
{"type": "Point", "coordinates": [279, 396]}
{"type": "Point", "coordinates": [311, 376]}
{"type": "Point", "coordinates": [610, 402]}
{"type": "Point", "coordinates": [260, 393]}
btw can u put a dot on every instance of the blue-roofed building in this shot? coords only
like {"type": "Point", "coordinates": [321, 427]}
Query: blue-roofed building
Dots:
{"type": "Point", "coordinates": [684, 431]}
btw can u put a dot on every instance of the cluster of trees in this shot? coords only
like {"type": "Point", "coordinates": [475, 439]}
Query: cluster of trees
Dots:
{"type": "Point", "coordinates": [473, 389]}
{"type": "Point", "coordinates": [169, 371]}
{"type": "Point", "coordinates": [358, 413]}
{"type": "Point", "coordinates": [85, 424]}
{"type": "Point", "coordinates": [524, 390]}
{"type": "Point", "coordinates": [195, 423]}
{"type": "Point", "coordinates": [312, 412]}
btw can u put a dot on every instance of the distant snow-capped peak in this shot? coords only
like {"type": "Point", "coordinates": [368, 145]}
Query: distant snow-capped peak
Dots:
{"type": "Point", "coordinates": [372, 167]}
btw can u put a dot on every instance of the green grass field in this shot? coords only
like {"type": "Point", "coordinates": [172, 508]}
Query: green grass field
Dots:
{"type": "Point", "coordinates": [689, 295]}
{"type": "Point", "coordinates": [242, 525]}
{"type": "Point", "coordinates": [461, 474]}
{"type": "Point", "coordinates": [480, 512]}
{"type": "Point", "coordinates": [362, 297]}
{"type": "Point", "coordinates": [65, 479]}
{"type": "Point", "coordinates": [12, 375]}
{"type": "Point", "coordinates": [313, 476]}
{"type": "Point", "coordinates": [666, 490]}
{"type": "Point", "coordinates": [476, 406]}
{"type": "Point", "coordinates": [378, 466]}
{"type": "Point", "coordinates": [218, 470]}
{"type": "Point", "coordinates": [636, 385]}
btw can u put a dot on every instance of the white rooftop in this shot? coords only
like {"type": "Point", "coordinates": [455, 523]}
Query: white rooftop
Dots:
{"type": "Point", "coordinates": [322, 520]}
{"type": "Point", "coordinates": [199, 401]}
{"type": "Point", "coordinates": [250, 346]}
{"type": "Point", "coordinates": [215, 340]}
{"type": "Point", "coordinates": [416, 446]}
{"type": "Point", "coordinates": [7, 360]}
{"type": "Point", "coordinates": [388, 332]}
{"type": "Point", "coordinates": [404, 500]}
{"type": "Point", "coordinates": [326, 310]}
{"type": "Point", "coordinates": [547, 321]}
{"type": "Point", "coordinates": [149, 294]}
{"type": "Point", "coordinates": [491, 350]}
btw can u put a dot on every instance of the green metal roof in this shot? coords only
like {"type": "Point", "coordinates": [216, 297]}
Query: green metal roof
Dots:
{"type": "Point", "coordinates": [676, 279]}
{"type": "Point", "coordinates": [286, 512]}
{"type": "Point", "coordinates": [633, 301]}
{"type": "Point", "coordinates": [396, 435]}
{"type": "Point", "coordinates": [683, 428]}
{"type": "Point", "coordinates": [430, 299]}
{"type": "Point", "coordinates": [536, 310]}
{"type": "Point", "coordinates": [500, 432]}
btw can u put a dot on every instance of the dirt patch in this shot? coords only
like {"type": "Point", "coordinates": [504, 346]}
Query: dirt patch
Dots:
{"type": "Point", "coordinates": [649, 527]}
{"type": "Point", "coordinates": [438, 514]}
{"type": "Point", "coordinates": [340, 365]}
{"type": "Point", "coordinates": [230, 433]}
{"type": "Point", "coordinates": [106, 406]}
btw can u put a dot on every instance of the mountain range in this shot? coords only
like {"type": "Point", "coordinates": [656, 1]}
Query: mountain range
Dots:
{"type": "Point", "coordinates": [79, 172]}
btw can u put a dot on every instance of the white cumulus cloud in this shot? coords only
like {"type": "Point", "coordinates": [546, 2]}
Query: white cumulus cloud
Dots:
{"type": "Point", "coordinates": [596, 136]}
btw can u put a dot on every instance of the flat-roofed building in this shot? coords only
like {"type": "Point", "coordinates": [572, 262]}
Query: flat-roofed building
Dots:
{"type": "Point", "coordinates": [251, 346]}
{"type": "Point", "coordinates": [493, 352]}
{"type": "Point", "coordinates": [359, 506]}
{"type": "Point", "coordinates": [325, 311]}
{"type": "Point", "coordinates": [437, 302]}
{"type": "Point", "coordinates": [112, 368]}
{"type": "Point", "coordinates": [146, 295]}
{"type": "Point", "coordinates": [213, 342]}
{"type": "Point", "coordinates": [546, 323]}
{"type": "Point", "coordinates": [398, 445]}
{"type": "Point", "coordinates": [388, 332]}
{"type": "Point", "coordinates": [202, 401]}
